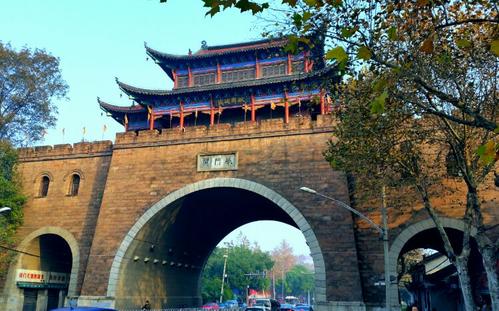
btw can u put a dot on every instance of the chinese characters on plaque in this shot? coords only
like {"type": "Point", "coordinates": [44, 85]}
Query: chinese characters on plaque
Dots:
{"type": "Point", "coordinates": [217, 162]}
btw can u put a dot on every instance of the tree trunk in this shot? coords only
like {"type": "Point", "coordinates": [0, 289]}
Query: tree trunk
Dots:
{"type": "Point", "coordinates": [489, 263]}
{"type": "Point", "coordinates": [461, 264]}
{"type": "Point", "coordinates": [461, 261]}
{"type": "Point", "coordinates": [485, 247]}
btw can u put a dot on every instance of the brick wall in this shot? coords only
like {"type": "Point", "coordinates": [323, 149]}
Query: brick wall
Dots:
{"type": "Point", "coordinates": [75, 214]}
{"type": "Point", "coordinates": [121, 181]}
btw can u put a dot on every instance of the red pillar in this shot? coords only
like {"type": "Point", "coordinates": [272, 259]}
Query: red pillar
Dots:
{"type": "Point", "coordinates": [253, 112]}
{"type": "Point", "coordinates": [306, 61]}
{"type": "Point", "coordinates": [290, 66]}
{"type": "Point", "coordinates": [257, 68]}
{"type": "Point", "coordinates": [286, 107]}
{"type": "Point", "coordinates": [181, 116]}
{"type": "Point", "coordinates": [212, 114]}
{"type": "Point", "coordinates": [219, 73]}
{"type": "Point", "coordinates": [323, 108]}
{"type": "Point", "coordinates": [189, 72]}
{"type": "Point", "coordinates": [151, 118]}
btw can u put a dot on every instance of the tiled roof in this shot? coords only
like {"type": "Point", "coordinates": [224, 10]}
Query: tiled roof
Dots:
{"type": "Point", "coordinates": [135, 91]}
{"type": "Point", "coordinates": [207, 52]}
{"type": "Point", "coordinates": [112, 108]}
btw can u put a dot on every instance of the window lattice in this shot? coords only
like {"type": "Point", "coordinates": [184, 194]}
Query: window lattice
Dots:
{"type": "Point", "coordinates": [203, 79]}
{"type": "Point", "coordinates": [298, 66]}
{"type": "Point", "coordinates": [182, 81]}
{"type": "Point", "coordinates": [274, 70]}
{"type": "Point", "coordinates": [238, 75]}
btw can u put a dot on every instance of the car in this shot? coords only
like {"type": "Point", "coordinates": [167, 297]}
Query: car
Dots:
{"type": "Point", "coordinates": [210, 306]}
{"type": "Point", "coordinates": [269, 304]}
{"type": "Point", "coordinates": [222, 305]}
{"type": "Point", "coordinates": [303, 307]}
{"type": "Point", "coordinates": [83, 309]}
{"type": "Point", "coordinates": [256, 308]}
{"type": "Point", "coordinates": [287, 307]}
{"type": "Point", "coordinates": [231, 303]}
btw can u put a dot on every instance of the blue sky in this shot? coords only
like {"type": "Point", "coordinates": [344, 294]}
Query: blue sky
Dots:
{"type": "Point", "coordinates": [97, 41]}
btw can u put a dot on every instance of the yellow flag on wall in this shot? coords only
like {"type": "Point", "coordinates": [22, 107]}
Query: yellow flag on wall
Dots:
{"type": "Point", "coordinates": [272, 105]}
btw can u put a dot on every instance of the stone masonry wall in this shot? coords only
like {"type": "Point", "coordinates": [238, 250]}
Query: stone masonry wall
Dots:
{"type": "Point", "coordinates": [75, 214]}
{"type": "Point", "coordinates": [148, 166]}
{"type": "Point", "coordinates": [120, 182]}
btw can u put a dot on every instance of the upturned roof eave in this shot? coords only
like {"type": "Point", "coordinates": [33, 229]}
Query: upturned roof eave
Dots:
{"type": "Point", "coordinates": [113, 109]}
{"type": "Point", "coordinates": [168, 59]}
{"type": "Point", "coordinates": [140, 92]}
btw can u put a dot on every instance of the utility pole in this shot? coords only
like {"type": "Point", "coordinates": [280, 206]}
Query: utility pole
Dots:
{"type": "Point", "coordinates": [283, 281]}
{"type": "Point", "coordinates": [386, 247]}
{"type": "Point", "coordinates": [223, 275]}
{"type": "Point", "coordinates": [273, 284]}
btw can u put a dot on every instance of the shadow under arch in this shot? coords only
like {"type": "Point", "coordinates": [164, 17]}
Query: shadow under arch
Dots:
{"type": "Point", "coordinates": [66, 236]}
{"type": "Point", "coordinates": [250, 186]}
{"type": "Point", "coordinates": [407, 234]}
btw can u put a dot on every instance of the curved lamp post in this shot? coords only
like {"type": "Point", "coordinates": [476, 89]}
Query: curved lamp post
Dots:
{"type": "Point", "coordinates": [382, 230]}
{"type": "Point", "coordinates": [223, 276]}
{"type": "Point", "coordinates": [5, 209]}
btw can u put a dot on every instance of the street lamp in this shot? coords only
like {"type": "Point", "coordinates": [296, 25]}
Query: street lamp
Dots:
{"type": "Point", "coordinates": [382, 230]}
{"type": "Point", "coordinates": [5, 209]}
{"type": "Point", "coordinates": [223, 277]}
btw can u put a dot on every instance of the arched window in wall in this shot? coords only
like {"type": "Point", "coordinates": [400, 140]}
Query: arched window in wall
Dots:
{"type": "Point", "coordinates": [74, 186]}
{"type": "Point", "coordinates": [44, 186]}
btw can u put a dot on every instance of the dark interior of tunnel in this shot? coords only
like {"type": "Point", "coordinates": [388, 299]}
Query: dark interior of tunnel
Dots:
{"type": "Point", "coordinates": [182, 236]}
{"type": "Point", "coordinates": [207, 216]}
{"type": "Point", "coordinates": [55, 254]}
{"type": "Point", "coordinates": [446, 279]}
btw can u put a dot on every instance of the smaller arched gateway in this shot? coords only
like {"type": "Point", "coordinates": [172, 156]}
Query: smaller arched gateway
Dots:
{"type": "Point", "coordinates": [424, 235]}
{"type": "Point", "coordinates": [166, 249]}
{"type": "Point", "coordinates": [45, 271]}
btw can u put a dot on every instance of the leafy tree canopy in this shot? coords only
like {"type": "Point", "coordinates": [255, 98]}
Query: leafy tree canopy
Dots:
{"type": "Point", "coordinates": [30, 82]}
{"type": "Point", "coordinates": [242, 259]}
{"type": "Point", "coordinates": [10, 196]}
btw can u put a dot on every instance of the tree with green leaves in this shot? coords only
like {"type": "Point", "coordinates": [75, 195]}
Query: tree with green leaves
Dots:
{"type": "Point", "coordinates": [30, 83]}
{"type": "Point", "coordinates": [10, 196]}
{"type": "Point", "coordinates": [243, 259]}
{"type": "Point", "coordinates": [396, 149]}
{"type": "Point", "coordinates": [438, 58]}
{"type": "Point", "coordinates": [299, 281]}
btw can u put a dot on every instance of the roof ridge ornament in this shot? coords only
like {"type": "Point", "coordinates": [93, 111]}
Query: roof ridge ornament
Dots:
{"type": "Point", "coordinates": [204, 45]}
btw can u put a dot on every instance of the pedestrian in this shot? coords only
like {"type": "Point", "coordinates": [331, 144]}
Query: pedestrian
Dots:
{"type": "Point", "coordinates": [146, 306]}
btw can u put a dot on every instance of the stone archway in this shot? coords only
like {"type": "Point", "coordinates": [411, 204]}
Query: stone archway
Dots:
{"type": "Point", "coordinates": [404, 237]}
{"type": "Point", "coordinates": [250, 186]}
{"type": "Point", "coordinates": [12, 292]}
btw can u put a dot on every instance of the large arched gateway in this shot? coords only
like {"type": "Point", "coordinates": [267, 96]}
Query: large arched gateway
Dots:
{"type": "Point", "coordinates": [243, 129]}
{"type": "Point", "coordinates": [164, 252]}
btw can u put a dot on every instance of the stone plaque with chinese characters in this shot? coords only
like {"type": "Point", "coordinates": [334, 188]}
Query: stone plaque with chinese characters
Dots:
{"type": "Point", "coordinates": [217, 162]}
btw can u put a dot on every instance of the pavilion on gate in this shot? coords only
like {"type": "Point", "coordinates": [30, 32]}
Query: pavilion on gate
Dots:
{"type": "Point", "coordinates": [229, 83]}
